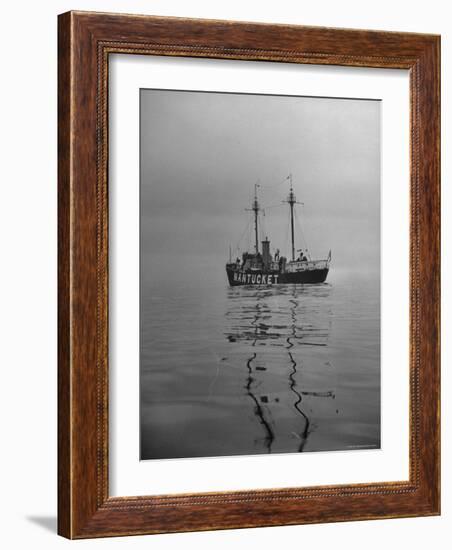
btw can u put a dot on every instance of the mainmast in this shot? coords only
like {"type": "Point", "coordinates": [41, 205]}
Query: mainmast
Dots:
{"type": "Point", "coordinates": [255, 208]}
{"type": "Point", "coordinates": [291, 200]}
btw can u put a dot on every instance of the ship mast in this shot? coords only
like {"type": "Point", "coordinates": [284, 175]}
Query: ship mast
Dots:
{"type": "Point", "coordinates": [291, 200]}
{"type": "Point", "coordinates": [255, 208]}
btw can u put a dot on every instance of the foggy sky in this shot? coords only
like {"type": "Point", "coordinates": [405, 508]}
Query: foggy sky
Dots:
{"type": "Point", "coordinates": [202, 153]}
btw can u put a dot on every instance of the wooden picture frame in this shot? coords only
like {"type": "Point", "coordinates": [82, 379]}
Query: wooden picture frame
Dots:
{"type": "Point", "coordinates": [85, 42]}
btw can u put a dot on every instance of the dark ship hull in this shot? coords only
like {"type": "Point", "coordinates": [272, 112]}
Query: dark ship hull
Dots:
{"type": "Point", "coordinates": [237, 277]}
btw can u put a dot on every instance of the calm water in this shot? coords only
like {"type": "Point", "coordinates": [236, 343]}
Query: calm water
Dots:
{"type": "Point", "coordinates": [247, 370]}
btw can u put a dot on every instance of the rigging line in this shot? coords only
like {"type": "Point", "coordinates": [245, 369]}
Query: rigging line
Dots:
{"type": "Point", "coordinates": [242, 236]}
{"type": "Point", "coordinates": [300, 228]}
{"type": "Point", "coordinates": [286, 238]}
{"type": "Point", "coordinates": [264, 233]}
{"type": "Point", "coordinates": [251, 233]}
{"type": "Point", "coordinates": [274, 192]}
{"type": "Point", "coordinates": [275, 184]}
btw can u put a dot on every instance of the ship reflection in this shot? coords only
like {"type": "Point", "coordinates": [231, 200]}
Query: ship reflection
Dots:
{"type": "Point", "coordinates": [258, 408]}
{"type": "Point", "coordinates": [280, 327]}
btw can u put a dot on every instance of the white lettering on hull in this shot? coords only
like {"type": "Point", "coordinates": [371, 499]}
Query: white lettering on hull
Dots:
{"type": "Point", "coordinates": [255, 279]}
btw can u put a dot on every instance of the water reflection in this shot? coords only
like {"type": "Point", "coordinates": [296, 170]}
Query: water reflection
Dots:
{"type": "Point", "coordinates": [292, 385]}
{"type": "Point", "coordinates": [246, 370]}
{"type": "Point", "coordinates": [279, 324]}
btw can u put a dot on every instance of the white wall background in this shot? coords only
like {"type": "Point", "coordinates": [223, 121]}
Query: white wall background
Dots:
{"type": "Point", "coordinates": [28, 122]}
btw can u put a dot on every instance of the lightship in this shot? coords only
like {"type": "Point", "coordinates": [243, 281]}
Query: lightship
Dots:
{"type": "Point", "coordinates": [260, 267]}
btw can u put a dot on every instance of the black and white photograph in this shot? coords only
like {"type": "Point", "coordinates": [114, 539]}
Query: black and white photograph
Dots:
{"type": "Point", "coordinates": [260, 274]}
{"type": "Point", "coordinates": [224, 235]}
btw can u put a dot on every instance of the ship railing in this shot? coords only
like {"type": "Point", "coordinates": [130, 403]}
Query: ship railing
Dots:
{"type": "Point", "coordinates": [306, 265]}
